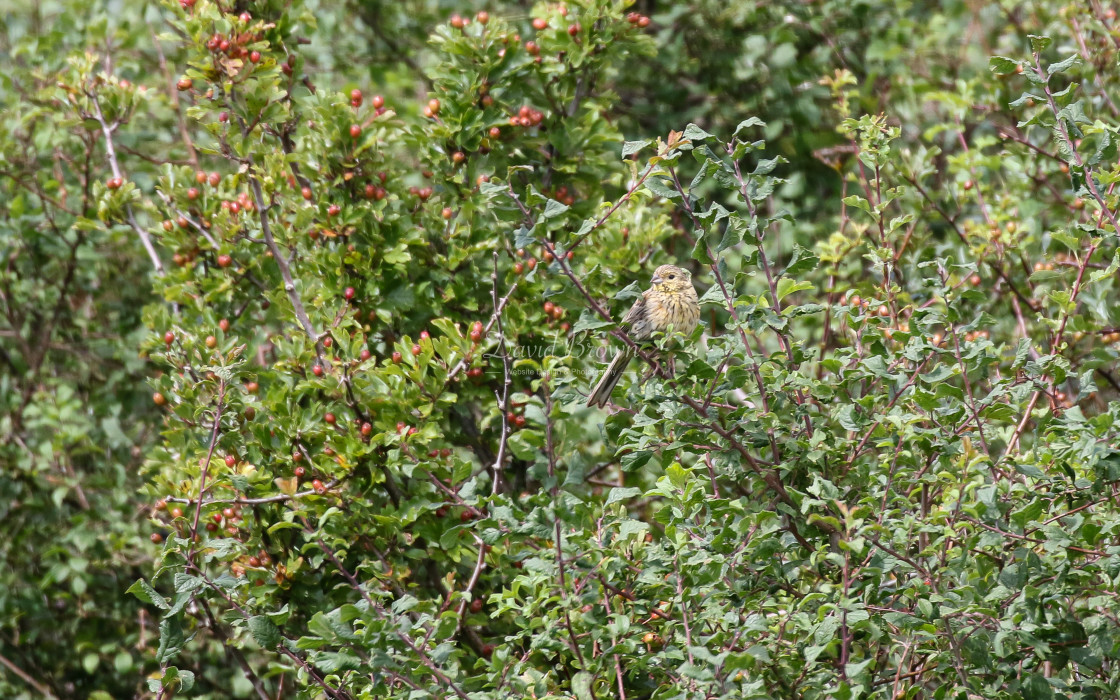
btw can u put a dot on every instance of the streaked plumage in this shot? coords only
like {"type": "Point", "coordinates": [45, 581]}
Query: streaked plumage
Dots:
{"type": "Point", "coordinates": [670, 301]}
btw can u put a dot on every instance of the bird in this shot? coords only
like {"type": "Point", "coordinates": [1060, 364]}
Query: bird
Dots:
{"type": "Point", "coordinates": [670, 301]}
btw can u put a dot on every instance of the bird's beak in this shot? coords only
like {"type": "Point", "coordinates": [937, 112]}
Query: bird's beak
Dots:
{"type": "Point", "coordinates": [656, 280]}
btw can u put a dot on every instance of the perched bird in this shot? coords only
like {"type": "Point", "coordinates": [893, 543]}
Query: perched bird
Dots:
{"type": "Point", "coordinates": [670, 301]}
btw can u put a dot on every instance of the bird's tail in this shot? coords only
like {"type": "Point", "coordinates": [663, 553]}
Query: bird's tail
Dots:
{"type": "Point", "coordinates": [601, 394]}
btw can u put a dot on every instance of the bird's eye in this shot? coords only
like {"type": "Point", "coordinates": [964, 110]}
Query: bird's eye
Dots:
{"type": "Point", "coordinates": [672, 277]}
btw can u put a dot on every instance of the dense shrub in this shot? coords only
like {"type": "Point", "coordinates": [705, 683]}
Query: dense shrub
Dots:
{"type": "Point", "coordinates": [374, 301]}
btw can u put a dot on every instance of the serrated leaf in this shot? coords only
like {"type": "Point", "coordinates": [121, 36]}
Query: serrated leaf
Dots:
{"type": "Point", "coordinates": [787, 286]}
{"type": "Point", "coordinates": [143, 590]}
{"type": "Point", "coordinates": [621, 494]}
{"type": "Point", "coordinates": [581, 686]}
{"type": "Point", "coordinates": [694, 133]}
{"type": "Point", "coordinates": [1001, 65]}
{"type": "Point", "coordinates": [631, 147]}
{"type": "Point", "coordinates": [1062, 66]}
{"type": "Point", "coordinates": [264, 632]}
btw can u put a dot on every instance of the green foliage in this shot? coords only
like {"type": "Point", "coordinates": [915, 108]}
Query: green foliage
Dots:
{"type": "Point", "coordinates": [882, 468]}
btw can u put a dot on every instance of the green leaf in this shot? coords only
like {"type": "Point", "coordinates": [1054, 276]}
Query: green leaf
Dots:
{"type": "Point", "coordinates": [802, 261]}
{"type": "Point", "coordinates": [1002, 66]}
{"type": "Point", "coordinates": [787, 286]}
{"type": "Point", "coordinates": [1062, 66]}
{"type": "Point", "coordinates": [264, 632]}
{"type": "Point", "coordinates": [694, 133]}
{"type": "Point", "coordinates": [553, 209]}
{"type": "Point", "coordinates": [171, 639]}
{"type": "Point", "coordinates": [1039, 43]}
{"type": "Point", "coordinates": [746, 124]}
{"type": "Point", "coordinates": [142, 590]}
{"type": "Point", "coordinates": [621, 494]}
{"type": "Point", "coordinates": [631, 147]}
{"type": "Point", "coordinates": [662, 188]}
{"type": "Point", "coordinates": [581, 686]}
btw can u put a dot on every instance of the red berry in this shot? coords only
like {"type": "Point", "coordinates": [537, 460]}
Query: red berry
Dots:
{"type": "Point", "coordinates": [355, 130]}
{"type": "Point", "coordinates": [548, 307]}
{"type": "Point", "coordinates": [457, 22]}
{"type": "Point", "coordinates": [476, 605]}
{"type": "Point", "coordinates": [531, 48]}
{"type": "Point", "coordinates": [329, 418]}
{"type": "Point", "coordinates": [252, 387]}
{"type": "Point", "coordinates": [254, 562]}
{"type": "Point", "coordinates": [518, 268]}
{"type": "Point", "coordinates": [184, 84]}
{"type": "Point", "coordinates": [299, 472]}
{"type": "Point", "coordinates": [159, 399]}
{"type": "Point", "coordinates": [433, 105]}
{"type": "Point", "coordinates": [465, 516]}
{"type": "Point", "coordinates": [255, 57]}
{"type": "Point", "coordinates": [365, 354]}
{"type": "Point", "coordinates": [176, 512]}
{"type": "Point", "coordinates": [230, 460]}
{"type": "Point", "coordinates": [349, 293]}
{"type": "Point", "coordinates": [401, 427]}
{"type": "Point", "coordinates": [458, 157]}
{"type": "Point", "coordinates": [483, 17]}
{"type": "Point", "coordinates": [495, 132]}
{"type": "Point", "coordinates": [305, 192]}
{"type": "Point", "coordinates": [540, 24]}
{"type": "Point", "coordinates": [224, 325]}
{"type": "Point", "coordinates": [519, 421]}
{"type": "Point", "coordinates": [424, 335]}
{"type": "Point", "coordinates": [211, 342]}
{"type": "Point", "coordinates": [396, 358]}
{"type": "Point", "coordinates": [297, 456]}
{"type": "Point", "coordinates": [318, 486]}
{"type": "Point", "coordinates": [224, 261]}
{"type": "Point", "coordinates": [643, 22]}
{"type": "Point", "coordinates": [333, 210]}
{"type": "Point", "coordinates": [169, 337]}
{"type": "Point", "coordinates": [156, 538]}
{"type": "Point", "coordinates": [574, 29]}
{"type": "Point", "coordinates": [416, 350]}
{"type": "Point", "coordinates": [378, 102]}
{"type": "Point", "coordinates": [245, 17]}
{"type": "Point", "coordinates": [366, 428]}
{"type": "Point", "coordinates": [223, 117]}
{"type": "Point", "coordinates": [447, 213]}
{"type": "Point", "coordinates": [317, 370]}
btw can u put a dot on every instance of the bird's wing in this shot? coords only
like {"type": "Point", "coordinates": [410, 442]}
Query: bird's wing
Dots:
{"type": "Point", "coordinates": [636, 311]}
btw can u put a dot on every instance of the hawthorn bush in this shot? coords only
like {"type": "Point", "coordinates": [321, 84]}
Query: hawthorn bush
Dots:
{"type": "Point", "coordinates": [371, 256]}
